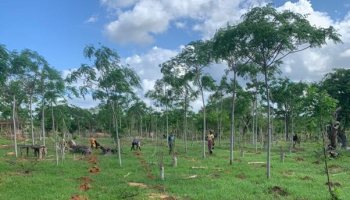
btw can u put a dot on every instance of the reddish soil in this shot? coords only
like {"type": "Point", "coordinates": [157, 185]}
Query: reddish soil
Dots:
{"type": "Point", "coordinates": [93, 160]}
{"type": "Point", "coordinates": [144, 165]}
{"type": "Point", "coordinates": [94, 170]}
{"type": "Point", "coordinates": [85, 186]}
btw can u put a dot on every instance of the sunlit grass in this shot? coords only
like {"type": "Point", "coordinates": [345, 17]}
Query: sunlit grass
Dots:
{"type": "Point", "coordinates": [300, 176]}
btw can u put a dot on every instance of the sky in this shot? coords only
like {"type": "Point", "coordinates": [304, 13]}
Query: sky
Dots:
{"type": "Point", "coordinates": [146, 33]}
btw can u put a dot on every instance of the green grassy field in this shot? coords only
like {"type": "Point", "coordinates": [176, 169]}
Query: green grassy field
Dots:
{"type": "Point", "coordinates": [300, 176]}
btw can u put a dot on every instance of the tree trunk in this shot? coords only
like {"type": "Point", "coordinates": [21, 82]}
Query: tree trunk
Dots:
{"type": "Point", "coordinates": [285, 126]}
{"type": "Point", "coordinates": [43, 121]}
{"type": "Point", "coordinates": [31, 118]}
{"type": "Point", "coordinates": [14, 124]}
{"type": "Point", "coordinates": [185, 122]}
{"type": "Point", "coordinates": [115, 119]}
{"type": "Point", "coordinates": [256, 123]}
{"type": "Point", "coordinates": [204, 118]}
{"type": "Point", "coordinates": [53, 118]}
{"type": "Point", "coordinates": [232, 125]}
{"type": "Point", "coordinates": [220, 119]}
{"type": "Point", "coordinates": [268, 162]}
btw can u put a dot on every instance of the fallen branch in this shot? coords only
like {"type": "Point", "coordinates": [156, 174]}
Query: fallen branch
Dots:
{"type": "Point", "coordinates": [256, 163]}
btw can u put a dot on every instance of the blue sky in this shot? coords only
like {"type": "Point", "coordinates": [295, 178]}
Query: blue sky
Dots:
{"type": "Point", "coordinates": [59, 30]}
{"type": "Point", "coordinates": [148, 32]}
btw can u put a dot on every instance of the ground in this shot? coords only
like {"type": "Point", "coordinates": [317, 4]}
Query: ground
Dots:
{"type": "Point", "coordinates": [77, 177]}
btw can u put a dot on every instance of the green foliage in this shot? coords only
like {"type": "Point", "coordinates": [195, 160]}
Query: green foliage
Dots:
{"type": "Point", "coordinates": [337, 85]}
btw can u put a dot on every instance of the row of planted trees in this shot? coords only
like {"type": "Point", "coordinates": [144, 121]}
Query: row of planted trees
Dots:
{"type": "Point", "coordinates": [253, 50]}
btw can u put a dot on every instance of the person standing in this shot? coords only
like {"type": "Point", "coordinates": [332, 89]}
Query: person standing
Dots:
{"type": "Point", "coordinates": [210, 141]}
{"type": "Point", "coordinates": [171, 143]}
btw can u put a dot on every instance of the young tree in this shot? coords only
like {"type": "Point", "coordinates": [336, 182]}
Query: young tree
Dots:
{"type": "Point", "coordinates": [227, 47]}
{"type": "Point", "coordinates": [176, 75]}
{"type": "Point", "coordinates": [106, 79]}
{"type": "Point", "coordinates": [195, 57]}
{"type": "Point", "coordinates": [269, 36]}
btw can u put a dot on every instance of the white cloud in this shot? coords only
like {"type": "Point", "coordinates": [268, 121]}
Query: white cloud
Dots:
{"type": "Point", "coordinates": [92, 19]}
{"type": "Point", "coordinates": [147, 18]}
{"type": "Point", "coordinates": [147, 66]}
{"type": "Point", "coordinates": [345, 53]}
{"type": "Point", "coordinates": [140, 21]}
{"type": "Point", "coordinates": [313, 64]}
{"type": "Point", "coordinates": [180, 25]}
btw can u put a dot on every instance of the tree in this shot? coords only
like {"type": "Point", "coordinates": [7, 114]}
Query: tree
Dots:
{"type": "Point", "coordinates": [269, 36]}
{"type": "Point", "coordinates": [107, 80]}
{"type": "Point", "coordinates": [195, 57]}
{"type": "Point", "coordinates": [337, 85]}
{"type": "Point", "coordinates": [176, 75]}
{"type": "Point", "coordinates": [227, 47]}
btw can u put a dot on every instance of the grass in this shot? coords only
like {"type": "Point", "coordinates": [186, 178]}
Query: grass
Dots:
{"type": "Point", "coordinates": [300, 176]}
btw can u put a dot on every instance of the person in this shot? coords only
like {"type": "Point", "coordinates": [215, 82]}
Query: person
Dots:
{"type": "Point", "coordinates": [135, 144]}
{"type": "Point", "coordinates": [171, 142]}
{"type": "Point", "coordinates": [295, 140]}
{"type": "Point", "coordinates": [92, 142]}
{"type": "Point", "coordinates": [210, 138]}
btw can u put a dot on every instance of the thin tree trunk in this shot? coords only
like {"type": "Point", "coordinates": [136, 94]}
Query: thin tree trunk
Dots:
{"type": "Point", "coordinates": [185, 123]}
{"type": "Point", "coordinates": [53, 118]}
{"type": "Point", "coordinates": [117, 132]}
{"type": "Point", "coordinates": [14, 124]}
{"type": "Point", "coordinates": [285, 126]}
{"type": "Point", "coordinates": [268, 162]}
{"type": "Point", "coordinates": [31, 118]}
{"type": "Point", "coordinates": [204, 118]}
{"type": "Point", "coordinates": [220, 119]}
{"type": "Point", "coordinates": [232, 125]}
{"type": "Point", "coordinates": [43, 121]}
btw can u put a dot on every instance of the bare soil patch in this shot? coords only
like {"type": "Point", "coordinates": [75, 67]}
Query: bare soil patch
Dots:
{"type": "Point", "coordinates": [140, 185]}
{"type": "Point", "coordinates": [94, 170]}
{"type": "Point", "coordinates": [335, 168]}
{"type": "Point", "coordinates": [145, 165]}
{"type": "Point", "coordinates": [4, 146]}
{"type": "Point", "coordinates": [85, 186]}
{"type": "Point", "coordinates": [93, 160]}
{"type": "Point", "coordinates": [277, 190]}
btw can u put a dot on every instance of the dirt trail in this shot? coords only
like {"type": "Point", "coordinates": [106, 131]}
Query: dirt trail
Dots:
{"type": "Point", "coordinates": [85, 181]}
{"type": "Point", "coordinates": [144, 164]}
{"type": "Point", "coordinates": [160, 194]}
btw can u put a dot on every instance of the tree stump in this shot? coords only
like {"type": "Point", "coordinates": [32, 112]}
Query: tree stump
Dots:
{"type": "Point", "coordinates": [174, 161]}
{"type": "Point", "coordinates": [162, 172]}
